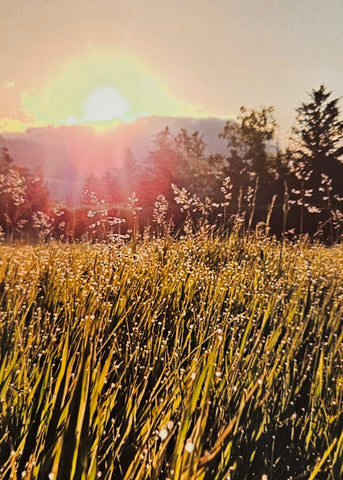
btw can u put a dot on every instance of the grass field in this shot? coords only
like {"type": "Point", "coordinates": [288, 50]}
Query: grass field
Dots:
{"type": "Point", "coordinates": [198, 358]}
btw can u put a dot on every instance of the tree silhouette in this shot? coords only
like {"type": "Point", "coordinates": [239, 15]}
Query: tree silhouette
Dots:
{"type": "Point", "coordinates": [317, 159]}
{"type": "Point", "coordinates": [252, 159]}
{"type": "Point", "coordinates": [248, 140]}
{"type": "Point", "coordinates": [319, 133]}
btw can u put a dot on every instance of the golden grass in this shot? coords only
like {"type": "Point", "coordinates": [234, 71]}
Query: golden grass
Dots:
{"type": "Point", "coordinates": [199, 358]}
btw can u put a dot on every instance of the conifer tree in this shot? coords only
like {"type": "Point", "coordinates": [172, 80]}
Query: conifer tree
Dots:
{"type": "Point", "coordinates": [318, 163]}
{"type": "Point", "coordinates": [319, 135]}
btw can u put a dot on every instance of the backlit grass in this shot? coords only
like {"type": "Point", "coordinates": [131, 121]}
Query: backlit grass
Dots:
{"type": "Point", "coordinates": [198, 358]}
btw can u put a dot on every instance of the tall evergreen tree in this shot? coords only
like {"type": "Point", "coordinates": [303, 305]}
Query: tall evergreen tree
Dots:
{"type": "Point", "coordinates": [319, 136]}
{"type": "Point", "coordinates": [317, 163]}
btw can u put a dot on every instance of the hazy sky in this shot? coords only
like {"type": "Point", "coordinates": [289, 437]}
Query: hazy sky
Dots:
{"type": "Point", "coordinates": [167, 57]}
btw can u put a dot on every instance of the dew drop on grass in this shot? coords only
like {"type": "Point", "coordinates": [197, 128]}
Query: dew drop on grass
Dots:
{"type": "Point", "coordinates": [163, 433]}
{"type": "Point", "coordinates": [189, 447]}
{"type": "Point", "coordinates": [170, 424]}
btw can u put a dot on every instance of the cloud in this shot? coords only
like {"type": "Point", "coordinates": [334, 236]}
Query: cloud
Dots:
{"type": "Point", "coordinates": [8, 125]}
{"type": "Point", "coordinates": [19, 122]}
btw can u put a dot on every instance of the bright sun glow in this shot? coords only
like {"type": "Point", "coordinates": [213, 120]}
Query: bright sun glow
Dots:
{"type": "Point", "coordinates": [102, 90]}
{"type": "Point", "coordinates": [105, 104]}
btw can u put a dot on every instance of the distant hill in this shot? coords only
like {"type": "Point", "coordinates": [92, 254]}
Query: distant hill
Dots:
{"type": "Point", "coordinates": [68, 154]}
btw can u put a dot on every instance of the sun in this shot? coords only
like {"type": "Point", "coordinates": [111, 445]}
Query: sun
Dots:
{"type": "Point", "coordinates": [105, 104]}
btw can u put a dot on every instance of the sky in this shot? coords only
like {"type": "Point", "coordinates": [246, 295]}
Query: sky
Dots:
{"type": "Point", "coordinates": [99, 62]}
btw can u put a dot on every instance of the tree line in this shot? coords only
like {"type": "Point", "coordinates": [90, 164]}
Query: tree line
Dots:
{"type": "Point", "coordinates": [256, 184]}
